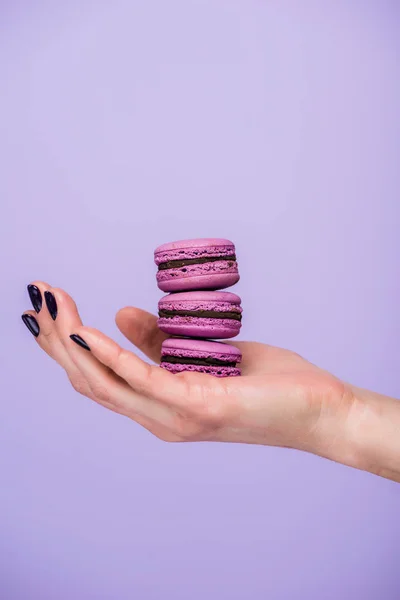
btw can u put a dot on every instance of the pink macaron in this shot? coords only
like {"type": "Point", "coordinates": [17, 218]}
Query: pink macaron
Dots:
{"type": "Point", "coordinates": [202, 264]}
{"type": "Point", "coordinates": [214, 358]}
{"type": "Point", "coordinates": [198, 314]}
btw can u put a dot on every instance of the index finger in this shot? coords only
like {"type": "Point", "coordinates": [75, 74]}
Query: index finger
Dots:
{"type": "Point", "coordinates": [149, 380]}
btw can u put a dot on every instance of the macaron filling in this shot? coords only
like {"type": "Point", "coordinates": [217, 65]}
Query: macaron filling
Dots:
{"type": "Point", "coordinates": [207, 361]}
{"type": "Point", "coordinates": [209, 314]}
{"type": "Point", "coordinates": [178, 264]}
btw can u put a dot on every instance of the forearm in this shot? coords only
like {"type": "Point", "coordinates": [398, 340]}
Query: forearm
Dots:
{"type": "Point", "coordinates": [366, 435]}
{"type": "Point", "coordinates": [374, 431]}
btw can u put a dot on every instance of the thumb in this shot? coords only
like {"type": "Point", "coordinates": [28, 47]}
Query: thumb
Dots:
{"type": "Point", "coordinates": [140, 327]}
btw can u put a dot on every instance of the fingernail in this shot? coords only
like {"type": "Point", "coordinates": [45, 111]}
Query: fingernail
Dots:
{"type": "Point", "coordinates": [31, 324]}
{"type": "Point", "coordinates": [78, 340]}
{"type": "Point", "coordinates": [36, 297]}
{"type": "Point", "coordinates": [51, 304]}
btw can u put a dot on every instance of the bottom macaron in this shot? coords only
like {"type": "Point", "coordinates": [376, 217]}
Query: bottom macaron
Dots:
{"type": "Point", "coordinates": [202, 356]}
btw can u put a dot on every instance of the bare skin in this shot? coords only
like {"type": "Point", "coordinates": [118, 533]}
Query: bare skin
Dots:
{"type": "Point", "coordinates": [280, 400]}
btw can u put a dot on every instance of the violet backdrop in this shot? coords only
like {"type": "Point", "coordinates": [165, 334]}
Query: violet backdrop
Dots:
{"type": "Point", "coordinates": [127, 124]}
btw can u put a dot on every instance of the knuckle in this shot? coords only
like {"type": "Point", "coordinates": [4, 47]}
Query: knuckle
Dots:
{"type": "Point", "coordinates": [48, 333]}
{"type": "Point", "coordinates": [119, 360]}
{"type": "Point", "coordinates": [168, 437]}
{"type": "Point", "coordinates": [78, 384]}
{"type": "Point", "coordinates": [153, 380]}
{"type": "Point", "coordinates": [213, 412]}
{"type": "Point", "coordinates": [186, 429]}
{"type": "Point", "coordinates": [116, 359]}
{"type": "Point", "coordinates": [147, 384]}
{"type": "Point", "coordinates": [100, 392]}
{"type": "Point", "coordinates": [208, 407]}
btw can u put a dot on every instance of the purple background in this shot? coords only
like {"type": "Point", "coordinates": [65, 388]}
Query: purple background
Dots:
{"type": "Point", "coordinates": [127, 124]}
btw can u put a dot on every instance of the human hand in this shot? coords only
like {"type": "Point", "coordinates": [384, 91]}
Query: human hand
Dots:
{"type": "Point", "coordinates": [280, 399]}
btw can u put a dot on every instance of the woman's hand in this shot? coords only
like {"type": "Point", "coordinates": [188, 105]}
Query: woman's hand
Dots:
{"type": "Point", "coordinates": [281, 399]}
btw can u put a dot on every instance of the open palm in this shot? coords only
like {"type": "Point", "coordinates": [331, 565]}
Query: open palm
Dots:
{"type": "Point", "coordinates": [278, 400]}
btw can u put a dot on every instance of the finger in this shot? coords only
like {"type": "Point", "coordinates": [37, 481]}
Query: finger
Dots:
{"type": "Point", "coordinates": [150, 381]}
{"type": "Point", "coordinates": [29, 317]}
{"type": "Point", "coordinates": [68, 320]}
{"type": "Point", "coordinates": [140, 327]}
{"type": "Point", "coordinates": [194, 402]}
{"type": "Point", "coordinates": [107, 386]}
{"type": "Point", "coordinates": [37, 292]}
{"type": "Point", "coordinates": [48, 338]}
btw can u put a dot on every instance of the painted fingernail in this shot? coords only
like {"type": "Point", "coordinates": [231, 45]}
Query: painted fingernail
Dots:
{"type": "Point", "coordinates": [31, 324]}
{"type": "Point", "coordinates": [78, 340]}
{"type": "Point", "coordinates": [51, 304]}
{"type": "Point", "coordinates": [36, 297]}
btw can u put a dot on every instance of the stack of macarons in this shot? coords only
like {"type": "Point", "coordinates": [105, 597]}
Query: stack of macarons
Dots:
{"type": "Point", "coordinates": [193, 311]}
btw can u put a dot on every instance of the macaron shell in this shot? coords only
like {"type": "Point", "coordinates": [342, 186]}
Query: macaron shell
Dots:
{"type": "Point", "coordinates": [197, 278]}
{"type": "Point", "coordinates": [193, 244]}
{"type": "Point", "coordinates": [200, 297]}
{"type": "Point", "coordinates": [200, 348]}
{"type": "Point", "coordinates": [209, 370]}
{"type": "Point", "coordinates": [227, 357]}
{"type": "Point", "coordinates": [220, 329]}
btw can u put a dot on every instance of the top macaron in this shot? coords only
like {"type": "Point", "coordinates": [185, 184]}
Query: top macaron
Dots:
{"type": "Point", "coordinates": [202, 264]}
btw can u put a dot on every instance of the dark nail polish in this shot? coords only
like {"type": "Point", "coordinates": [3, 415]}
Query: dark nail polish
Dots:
{"type": "Point", "coordinates": [51, 304]}
{"type": "Point", "coordinates": [78, 340]}
{"type": "Point", "coordinates": [36, 297]}
{"type": "Point", "coordinates": [31, 324]}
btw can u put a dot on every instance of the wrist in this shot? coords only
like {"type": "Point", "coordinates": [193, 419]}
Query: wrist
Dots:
{"type": "Point", "coordinates": [374, 431]}
{"type": "Point", "coordinates": [362, 431]}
